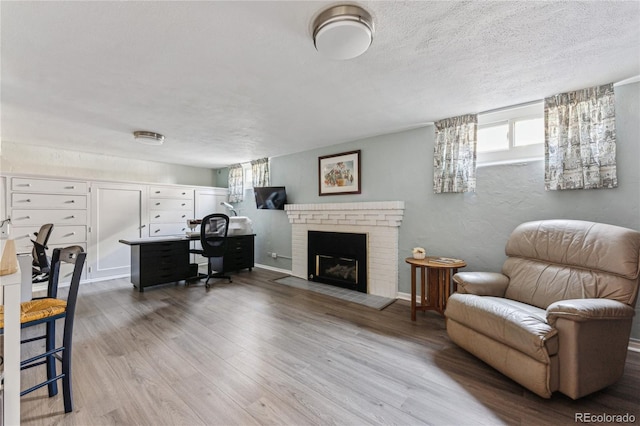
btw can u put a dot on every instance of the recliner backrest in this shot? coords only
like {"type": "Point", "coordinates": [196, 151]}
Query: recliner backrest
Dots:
{"type": "Point", "coordinates": [552, 260]}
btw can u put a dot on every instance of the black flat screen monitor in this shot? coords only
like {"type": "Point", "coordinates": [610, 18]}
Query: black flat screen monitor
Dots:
{"type": "Point", "coordinates": [270, 197]}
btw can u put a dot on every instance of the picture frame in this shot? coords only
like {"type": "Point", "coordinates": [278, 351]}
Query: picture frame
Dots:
{"type": "Point", "coordinates": [339, 173]}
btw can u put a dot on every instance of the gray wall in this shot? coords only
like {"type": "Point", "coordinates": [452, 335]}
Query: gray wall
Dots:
{"type": "Point", "coordinates": [473, 226]}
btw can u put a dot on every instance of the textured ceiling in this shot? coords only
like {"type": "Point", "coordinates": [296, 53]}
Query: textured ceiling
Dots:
{"type": "Point", "coordinates": [228, 82]}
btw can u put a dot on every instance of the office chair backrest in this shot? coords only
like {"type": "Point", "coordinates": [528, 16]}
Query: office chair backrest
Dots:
{"type": "Point", "coordinates": [213, 234]}
{"type": "Point", "coordinates": [40, 245]}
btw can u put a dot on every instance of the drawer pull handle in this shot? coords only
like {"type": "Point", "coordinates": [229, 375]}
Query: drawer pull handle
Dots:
{"type": "Point", "coordinates": [70, 187]}
{"type": "Point", "coordinates": [157, 204]}
{"type": "Point", "coordinates": [70, 234]}
{"type": "Point", "coordinates": [28, 200]}
{"type": "Point", "coordinates": [184, 204]}
{"type": "Point", "coordinates": [71, 217]}
{"type": "Point", "coordinates": [70, 201]}
{"type": "Point", "coordinates": [157, 192]}
{"type": "Point", "coordinates": [157, 216]}
{"type": "Point", "coordinates": [184, 215]}
{"type": "Point", "coordinates": [24, 184]}
{"type": "Point", "coordinates": [156, 231]}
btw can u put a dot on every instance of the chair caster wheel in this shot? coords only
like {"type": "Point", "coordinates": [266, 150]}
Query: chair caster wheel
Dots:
{"type": "Point", "coordinates": [207, 286]}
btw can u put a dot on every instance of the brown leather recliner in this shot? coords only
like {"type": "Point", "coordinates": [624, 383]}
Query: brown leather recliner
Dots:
{"type": "Point", "coordinates": [559, 316]}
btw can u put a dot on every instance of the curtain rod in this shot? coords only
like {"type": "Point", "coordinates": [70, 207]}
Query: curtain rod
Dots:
{"type": "Point", "coordinates": [522, 105]}
{"type": "Point", "coordinates": [630, 80]}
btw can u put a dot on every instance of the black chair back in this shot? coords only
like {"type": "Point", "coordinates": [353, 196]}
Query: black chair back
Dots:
{"type": "Point", "coordinates": [72, 254]}
{"type": "Point", "coordinates": [213, 234]}
{"type": "Point", "coordinates": [40, 261]}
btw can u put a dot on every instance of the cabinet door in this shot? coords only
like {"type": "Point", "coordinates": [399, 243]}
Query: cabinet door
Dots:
{"type": "Point", "coordinates": [117, 213]}
{"type": "Point", "coordinates": [208, 201]}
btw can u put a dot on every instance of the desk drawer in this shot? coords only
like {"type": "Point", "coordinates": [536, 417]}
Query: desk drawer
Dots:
{"type": "Point", "coordinates": [47, 201]}
{"type": "Point", "coordinates": [152, 251]}
{"type": "Point", "coordinates": [48, 186]}
{"type": "Point", "coordinates": [40, 217]}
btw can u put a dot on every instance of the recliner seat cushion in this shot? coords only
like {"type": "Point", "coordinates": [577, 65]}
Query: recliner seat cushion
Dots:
{"type": "Point", "coordinates": [510, 322]}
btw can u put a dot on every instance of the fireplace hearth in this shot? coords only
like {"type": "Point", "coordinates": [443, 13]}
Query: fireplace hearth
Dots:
{"type": "Point", "coordinates": [338, 258]}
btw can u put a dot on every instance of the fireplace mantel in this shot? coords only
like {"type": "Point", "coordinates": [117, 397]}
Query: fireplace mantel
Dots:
{"type": "Point", "coordinates": [380, 220]}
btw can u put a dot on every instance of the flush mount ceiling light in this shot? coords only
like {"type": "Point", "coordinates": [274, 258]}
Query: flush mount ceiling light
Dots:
{"type": "Point", "coordinates": [343, 32]}
{"type": "Point", "coordinates": [148, 138]}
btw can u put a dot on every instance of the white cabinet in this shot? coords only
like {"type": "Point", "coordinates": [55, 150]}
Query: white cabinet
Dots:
{"type": "Point", "coordinates": [34, 202]}
{"type": "Point", "coordinates": [118, 212]}
{"type": "Point", "coordinates": [97, 214]}
{"type": "Point", "coordinates": [169, 209]}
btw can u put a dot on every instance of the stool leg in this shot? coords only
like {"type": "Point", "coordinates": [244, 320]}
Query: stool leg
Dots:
{"type": "Point", "coordinates": [67, 392]}
{"type": "Point", "coordinates": [51, 360]}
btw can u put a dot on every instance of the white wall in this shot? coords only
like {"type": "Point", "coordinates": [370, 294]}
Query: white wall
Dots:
{"type": "Point", "coordinates": [49, 161]}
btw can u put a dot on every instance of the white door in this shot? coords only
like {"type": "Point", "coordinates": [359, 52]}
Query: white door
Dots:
{"type": "Point", "coordinates": [118, 212]}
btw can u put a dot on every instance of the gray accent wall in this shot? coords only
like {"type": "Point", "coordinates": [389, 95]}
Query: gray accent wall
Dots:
{"type": "Point", "coordinates": [472, 226]}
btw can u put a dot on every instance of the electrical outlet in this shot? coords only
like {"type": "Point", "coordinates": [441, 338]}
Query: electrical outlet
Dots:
{"type": "Point", "coordinates": [274, 255]}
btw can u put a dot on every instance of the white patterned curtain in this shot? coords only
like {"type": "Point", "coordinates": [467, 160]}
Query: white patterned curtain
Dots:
{"type": "Point", "coordinates": [580, 139]}
{"type": "Point", "coordinates": [236, 179]}
{"type": "Point", "coordinates": [454, 156]}
{"type": "Point", "coordinates": [260, 172]}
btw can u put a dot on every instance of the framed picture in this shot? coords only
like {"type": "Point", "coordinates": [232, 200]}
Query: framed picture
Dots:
{"type": "Point", "coordinates": [339, 173]}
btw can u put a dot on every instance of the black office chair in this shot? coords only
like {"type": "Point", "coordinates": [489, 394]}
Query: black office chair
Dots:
{"type": "Point", "coordinates": [40, 265]}
{"type": "Point", "coordinates": [213, 238]}
{"type": "Point", "coordinates": [47, 311]}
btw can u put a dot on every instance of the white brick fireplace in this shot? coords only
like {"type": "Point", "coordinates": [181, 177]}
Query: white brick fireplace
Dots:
{"type": "Point", "coordinates": [380, 220]}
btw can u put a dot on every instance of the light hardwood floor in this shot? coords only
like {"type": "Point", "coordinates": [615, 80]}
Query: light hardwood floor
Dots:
{"type": "Point", "coordinates": [254, 352]}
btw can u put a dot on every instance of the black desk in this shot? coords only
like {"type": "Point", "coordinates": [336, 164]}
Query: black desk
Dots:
{"type": "Point", "coordinates": [166, 259]}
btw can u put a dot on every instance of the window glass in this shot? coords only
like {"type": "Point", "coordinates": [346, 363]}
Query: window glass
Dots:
{"type": "Point", "coordinates": [493, 137]}
{"type": "Point", "coordinates": [511, 135]}
{"type": "Point", "coordinates": [528, 132]}
{"type": "Point", "coordinates": [248, 176]}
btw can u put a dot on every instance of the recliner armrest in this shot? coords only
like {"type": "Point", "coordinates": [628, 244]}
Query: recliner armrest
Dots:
{"type": "Point", "coordinates": [482, 283]}
{"type": "Point", "coordinates": [588, 309]}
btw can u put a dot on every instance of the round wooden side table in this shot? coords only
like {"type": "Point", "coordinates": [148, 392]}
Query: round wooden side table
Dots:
{"type": "Point", "coordinates": [437, 272]}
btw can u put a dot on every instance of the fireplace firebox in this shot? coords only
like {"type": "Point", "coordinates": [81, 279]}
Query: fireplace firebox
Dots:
{"type": "Point", "coordinates": [338, 258]}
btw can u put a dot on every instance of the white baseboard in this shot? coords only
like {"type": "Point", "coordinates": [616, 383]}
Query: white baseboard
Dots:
{"type": "Point", "coordinates": [271, 268]}
{"type": "Point", "coordinates": [634, 345]}
{"type": "Point", "coordinates": [404, 296]}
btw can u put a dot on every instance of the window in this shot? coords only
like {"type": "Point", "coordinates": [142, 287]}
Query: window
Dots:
{"type": "Point", "coordinates": [511, 135]}
{"type": "Point", "coordinates": [248, 176]}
